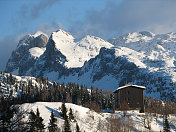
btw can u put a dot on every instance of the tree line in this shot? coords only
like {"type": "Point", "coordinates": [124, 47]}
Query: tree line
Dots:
{"type": "Point", "coordinates": [46, 91]}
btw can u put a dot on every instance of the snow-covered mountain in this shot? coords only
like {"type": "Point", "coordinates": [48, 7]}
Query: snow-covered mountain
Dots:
{"type": "Point", "coordinates": [62, 53]}
{"type": "Point", "coordinates": [29, 49]}
{"type": "Point", "coordinates": [116, 67]}
{"type": "Point", "coordinates": [76, 53]}
{"type": "Point", "coordinates": [156, 52]}
{"type": "Point", "coordinates": [141, 58]}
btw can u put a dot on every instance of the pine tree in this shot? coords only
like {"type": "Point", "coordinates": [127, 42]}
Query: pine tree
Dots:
{"type": "Point", "coordinates": [32, 118]}
{"type": "Point", "coordinates": [39, 121]}
{"type": "Point", "coordinates": [71, 117]}
{"type": "Point", "coordinates": [77, 128]}
{"type": "Point", "coordinates": [63, 113]}
{"type": "Point", "coordinates": [67, 125]}
{"type": "Point", "coordinates": [35, 121]}
{"type": "Point", "coordinates": [166, 124]}
{"type": "Point", "coordinates": [52, 126]}
{"type": "Point", "coordinates": [10, 78]}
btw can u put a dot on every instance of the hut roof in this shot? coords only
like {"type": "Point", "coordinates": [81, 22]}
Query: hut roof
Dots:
{"type": "Point", "coordinates": [129, 85]}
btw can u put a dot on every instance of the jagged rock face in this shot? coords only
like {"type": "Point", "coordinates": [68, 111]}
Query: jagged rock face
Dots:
{"type": "Point", "coordinates": [22, 59]}
{"type": "Point", "coordinates": [107, 63]}
{"type": "Point", "coordinates": [51, 61]}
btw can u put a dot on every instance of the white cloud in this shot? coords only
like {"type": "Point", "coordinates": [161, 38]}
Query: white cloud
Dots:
{"type": "Point", "coordinates": [131, 15]}
{"type": "Point", "coordinates": [49, 28]}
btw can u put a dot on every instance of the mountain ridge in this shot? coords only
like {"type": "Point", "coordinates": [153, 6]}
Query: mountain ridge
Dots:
{"type": "Point", "coordinates": [140, 58]}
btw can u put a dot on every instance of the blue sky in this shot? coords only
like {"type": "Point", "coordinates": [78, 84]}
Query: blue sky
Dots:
{"type": "Point", "coordinates": [27, 16]}
{"type": "Point", "coordinates": [102, 18]}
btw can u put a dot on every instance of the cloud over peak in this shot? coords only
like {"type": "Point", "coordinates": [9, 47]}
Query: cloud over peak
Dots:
{"type": "Point", "coordinates": [131, 15]}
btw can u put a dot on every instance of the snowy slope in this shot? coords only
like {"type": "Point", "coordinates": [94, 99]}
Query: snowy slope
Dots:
{"type": "Point", "coordinates": [36, 51]}
{"type": "Point", "coordinates": [90, 121]}
{"type": "Point", "coordinates": [158, 51]}
{"type": "Point", "coordinates": [87, 120]}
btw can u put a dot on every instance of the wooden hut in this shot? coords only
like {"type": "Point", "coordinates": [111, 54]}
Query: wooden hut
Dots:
{"type": "Point", "coordinates": [131, 95]}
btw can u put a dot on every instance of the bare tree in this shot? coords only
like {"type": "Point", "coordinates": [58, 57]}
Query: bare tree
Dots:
{"type": "Point", "coordinates": [148, 119]}
{"type": "Point", "coordinates": [94, 106]}
{"type": "Point", "coordinates": [120, 124]}
{"type": "Point", "coordinates": [114, 123]}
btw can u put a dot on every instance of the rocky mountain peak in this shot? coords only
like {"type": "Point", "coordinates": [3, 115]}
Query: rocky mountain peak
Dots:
{"type": "Point", "coordinates": [38, 33]}
{"type": "Point", "coordinates": [61, 34]}
{"type": "Point", "coordinates": [38, 39]}
{"type": "Point", "coordinates": [146, 33]}
{"type": "Point", "coordinates": [93, 38]}
{"type": "Point", "coordinates": [29, 48]}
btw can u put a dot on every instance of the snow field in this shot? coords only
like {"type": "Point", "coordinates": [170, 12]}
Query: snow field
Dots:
{"type": "Point", "coordinates": [88, 120]}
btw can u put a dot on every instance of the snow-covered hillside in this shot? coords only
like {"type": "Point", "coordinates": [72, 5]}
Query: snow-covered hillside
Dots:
{"type": "Point", "coordinates": [87, 120]}
{"type": "Point", "coordinates": [90, 121]}
{"type": "Point", "coordinates": [13, 86]}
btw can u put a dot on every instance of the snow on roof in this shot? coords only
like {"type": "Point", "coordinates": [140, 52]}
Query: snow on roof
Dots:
{"type": "Point", "coordinates": [143, 87]}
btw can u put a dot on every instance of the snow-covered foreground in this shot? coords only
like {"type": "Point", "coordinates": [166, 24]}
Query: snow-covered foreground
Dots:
{"type": "Point", "coordinates": [86, 119]}
{"type": "Point", "coordinates": [90, 121]}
